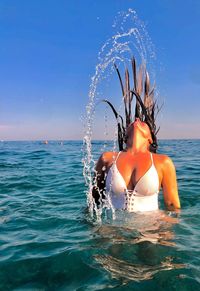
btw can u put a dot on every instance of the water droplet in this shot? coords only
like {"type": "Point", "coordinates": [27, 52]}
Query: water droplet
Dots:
{"type": "Point", "coordinates": [129, 38]}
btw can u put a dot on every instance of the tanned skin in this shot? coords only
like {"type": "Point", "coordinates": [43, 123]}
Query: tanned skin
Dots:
{"type": "Point", "coordinates": [135, 161]}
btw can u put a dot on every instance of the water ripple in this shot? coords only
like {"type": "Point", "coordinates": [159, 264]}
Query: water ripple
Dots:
{"type": "Point", "coordinates": [48, 241]}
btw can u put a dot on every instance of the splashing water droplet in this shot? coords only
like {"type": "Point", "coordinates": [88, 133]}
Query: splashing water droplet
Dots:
{"type": "Point", "coordinates": [130, 38]}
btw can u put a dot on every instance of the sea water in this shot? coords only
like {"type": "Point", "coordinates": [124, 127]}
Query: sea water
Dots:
{"type": "Point", "coordinates": [48, 240]}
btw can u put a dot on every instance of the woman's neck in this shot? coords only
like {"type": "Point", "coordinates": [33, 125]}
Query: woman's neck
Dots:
{"type": "Point", "coordinates": [137, 144]}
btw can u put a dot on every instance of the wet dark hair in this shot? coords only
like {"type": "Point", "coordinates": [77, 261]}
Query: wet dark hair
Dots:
{"type": "Point", "coordinates": [145, 106]}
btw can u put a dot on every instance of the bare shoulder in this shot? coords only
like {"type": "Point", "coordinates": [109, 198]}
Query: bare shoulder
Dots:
{"type": "Point", "coordinates": [163, 161]}
{"type": "Point", "coordinates": [108, 157]}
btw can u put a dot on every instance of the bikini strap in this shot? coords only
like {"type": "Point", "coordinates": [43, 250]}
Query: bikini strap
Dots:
{"type": "Point", "coordinates": [152, 158]}
{"type": "Point", "coordinates": [117, 156]}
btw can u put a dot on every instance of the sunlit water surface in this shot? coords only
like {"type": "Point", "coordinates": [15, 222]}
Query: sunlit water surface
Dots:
{"type": "Point", "coordinates": [48, 241]}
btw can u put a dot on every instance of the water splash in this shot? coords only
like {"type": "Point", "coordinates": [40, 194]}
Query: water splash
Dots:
{"type": "Point", "coordinates": [130, 38]}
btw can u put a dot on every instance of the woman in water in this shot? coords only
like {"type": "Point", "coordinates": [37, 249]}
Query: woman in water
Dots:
{"type": "Point", "coordinates": [131, 178]}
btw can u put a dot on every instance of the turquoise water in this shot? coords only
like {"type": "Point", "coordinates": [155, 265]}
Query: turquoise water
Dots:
{"type": "Point", "coordinates": [49, 242]}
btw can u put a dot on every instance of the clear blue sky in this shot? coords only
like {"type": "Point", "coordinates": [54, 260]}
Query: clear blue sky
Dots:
{"type": "Point", "coordinates": [48, 53]}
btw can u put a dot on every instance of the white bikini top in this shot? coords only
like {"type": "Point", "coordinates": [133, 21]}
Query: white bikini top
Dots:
{"type": "Point", "coordinates": [144, 196]}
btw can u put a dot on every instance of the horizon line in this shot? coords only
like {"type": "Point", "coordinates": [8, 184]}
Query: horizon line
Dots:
{"type": "Point", "coordinates": [62, 140]}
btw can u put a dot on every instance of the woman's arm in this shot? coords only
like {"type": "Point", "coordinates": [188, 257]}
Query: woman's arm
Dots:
{"type": "Point", "coordinates": [169, 185]}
